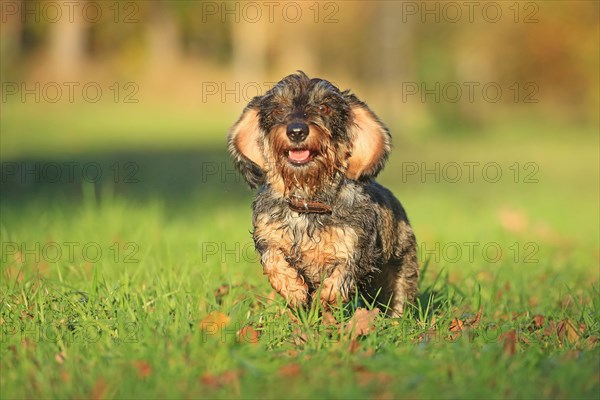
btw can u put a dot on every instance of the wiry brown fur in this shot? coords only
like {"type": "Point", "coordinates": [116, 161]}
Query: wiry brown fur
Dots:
{"type": "Point", "coordinates": [364, 242]}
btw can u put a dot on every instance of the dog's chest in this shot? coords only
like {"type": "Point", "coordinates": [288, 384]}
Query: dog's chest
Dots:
{"type": "Point", "coordinates": [310, 247]}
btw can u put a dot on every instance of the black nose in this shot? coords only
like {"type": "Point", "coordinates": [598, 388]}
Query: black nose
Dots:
{"type": "Point", "coordinates": [297, 131]}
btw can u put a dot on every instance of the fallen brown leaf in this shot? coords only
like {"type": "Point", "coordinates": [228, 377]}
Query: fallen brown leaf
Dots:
{"type": "Point", "coordinates": [517, 315]}
{"type": "Point", "coordinates": [299, 337]}
{"type": "Point", "coordinates": [143, 368]}
{"type": "Point", "coordinates": [566, 329]}
{"type": "Point", "coordinates": [590, 343]}
{"type": "Point", "coordinates": [572, 355]}
{"type": "Point", "coordinates": [361, 323]}
{"type": "Point", "coordinates": [368, 352]}
{"type": "Point", "coordinates": [354, 346]}
{"type": "Point", "coordinates": [28, 344]}
{"type": "Point", "coordinates": [290, 370]}
{"type": "Point", "coordinates": [248, 335]}
{"type": "Point", "coordinates": [456, 327]}
{"type": "Point", "coordinates": [550, 328]}
{"type": "Point", "coordinates": [499, 294]}
{"type": "Point", "coordinates": [510, 342]}
{"type": "Point", "coordinates": [473, 322]}
{"type": "Point", "coordinates": [227, 378]}
{"type": "Point", "coordinates": [214, 322]}
{"type": "Point", "coordinates": [292, 353]}
{"type": "Point", "coordinates": [60, 357]}
{"type": "Point", "coordinates": [99, 390]}
{"type": "Point", "coordinates": [533, 301]}
{"type": "Point", "coordinates": [232, 377]}
{"type": "Point", "coordinates": [221, 292]}
{"type": "Point", "coordinates": [365, 377]}
{"type": "Point", "coordinates": [328, 319]}
{"type": "Point", "coordinates": [210, 380]}
{"type": "Point", "coordinates": [64, 376]}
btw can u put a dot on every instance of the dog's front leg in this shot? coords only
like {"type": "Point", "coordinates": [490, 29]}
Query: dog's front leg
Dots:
{"type": "Point", "coordinates": [338, 285]}
{"type": "Point", "coordinates": [285, 279]}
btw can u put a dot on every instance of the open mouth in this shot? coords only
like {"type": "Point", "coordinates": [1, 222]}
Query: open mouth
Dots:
{"type": "Point", "coordinates": [299, 156]}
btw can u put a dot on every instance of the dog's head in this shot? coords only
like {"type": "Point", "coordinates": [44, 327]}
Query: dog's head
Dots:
{"type": "Point", "coordinates": [304, 134]}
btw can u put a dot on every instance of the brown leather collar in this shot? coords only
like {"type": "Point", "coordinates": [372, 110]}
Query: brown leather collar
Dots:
{"type": "Point", "coordinates": [300, 205]}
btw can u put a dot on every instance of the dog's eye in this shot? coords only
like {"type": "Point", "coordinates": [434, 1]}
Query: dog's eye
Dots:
{"type": "Point", "coordinates": [324, 109]}
{"type": "Point", "coordinates": [279, 111]}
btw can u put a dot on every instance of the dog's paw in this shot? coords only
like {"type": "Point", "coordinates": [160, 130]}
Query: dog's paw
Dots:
{"type": "Point", "coordinates": [290, 284]}
{"type": "Point", "coordinates": [332, 290]}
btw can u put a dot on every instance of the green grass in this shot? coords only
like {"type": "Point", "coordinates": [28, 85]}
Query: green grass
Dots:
{"type": "Point", "coordinates": [134, 321]}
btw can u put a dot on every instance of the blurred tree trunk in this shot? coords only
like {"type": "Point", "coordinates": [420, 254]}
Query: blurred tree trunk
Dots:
{"type": "Point", "coordinates": [249, 52]}
{"type": "Point", "coordinates": [11, 32]}
{"type": "Point", "coordinates": [296, 52]}
{"type": "Point", "coordinates": [67, 45]}
{"type": "Point", "coordinates": [391, 61]}
{"type": "Point", "coordinates": [163, 35]}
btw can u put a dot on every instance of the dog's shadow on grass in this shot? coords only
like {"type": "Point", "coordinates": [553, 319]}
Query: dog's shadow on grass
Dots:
{"type": "Point", "coordinates": [436, 297]}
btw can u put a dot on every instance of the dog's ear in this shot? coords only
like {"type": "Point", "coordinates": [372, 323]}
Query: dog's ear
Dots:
{"type": "Point", "coordinates": [245, 145]}
{"type": "Point", "coordinates": [371, 142]}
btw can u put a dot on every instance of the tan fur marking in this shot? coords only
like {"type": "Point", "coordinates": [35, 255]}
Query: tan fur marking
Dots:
{"type": "Point", "coordinates": [246, 135]}
{"type": "Point", "coordinates": [329, 252]}
{"type": "Point", "coordinates": [331, 288]}
{"type": "Point", "coordinates": [324, 256]}
{"type": "Point", "coordinates": [369, 144]}
{"type": "Point", "coordinates": [285, 279]}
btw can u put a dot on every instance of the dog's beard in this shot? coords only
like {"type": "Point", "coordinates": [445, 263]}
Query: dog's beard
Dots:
{"type": "Point", "coordinates": [304, 175]}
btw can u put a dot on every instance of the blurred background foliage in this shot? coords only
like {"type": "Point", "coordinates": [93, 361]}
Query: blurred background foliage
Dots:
{"type": "Point", "coordinates": [191, 66]}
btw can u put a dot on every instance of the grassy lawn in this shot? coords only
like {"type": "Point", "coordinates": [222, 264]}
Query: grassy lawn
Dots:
{"type": "Point", "coordinates": [149, 287]}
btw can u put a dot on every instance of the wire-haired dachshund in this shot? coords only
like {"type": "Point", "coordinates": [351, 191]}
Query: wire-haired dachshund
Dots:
{"type": "Point", "coordinates": [324, 228]}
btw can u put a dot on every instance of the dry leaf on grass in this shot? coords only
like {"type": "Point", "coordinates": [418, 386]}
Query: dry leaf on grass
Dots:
{"type": "Point", "coordinates": [509, 342]}
{"type": "Point", "coordinates": [566, 329]}
{"type": "Point", "coordinates": [227, 378]}
{"type": "Point", "coordinates": [538, 321]}
{"type": "Point", "coordinates": [214, 322]}
{"type": "Point", "coordinates": [99, 390]}
{"type": "Point", "coordinates": [290, 371]}
{"type": "Point", "coordinates": [456, 327]}
{"type": "Point", "coordinates": [361, 323]}
{"type": "Point", "coordinates": [365, 377]}
{"type": "Point", "coordinates": [248, 335]}
{"type": "Point", "coordinates": [299, 337]}
{"type": "Point", "coordinates": [221, 292]}
{"type": "Point", "coordinates": [143, 368]}
{"type": "Point", "coordinates": [473, 322]}
{"type": "Point", "coordinates": [328, 319]}
{"type": "Point", "coordinates": [210, 380]}
{"type": "Point", "coordinates": [354, 346]}
{"type": "Point", "coordinates": [64, 376]}
{"type": "Point", "coordinates": [60, 357]}
{"type": "Point", "coordinates": [590, 343]}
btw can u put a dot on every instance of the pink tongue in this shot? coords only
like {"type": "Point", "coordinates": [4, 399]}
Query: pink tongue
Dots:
{"type": "Point", "coordinates": [299, 155]}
